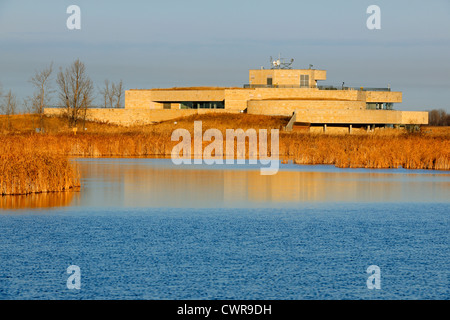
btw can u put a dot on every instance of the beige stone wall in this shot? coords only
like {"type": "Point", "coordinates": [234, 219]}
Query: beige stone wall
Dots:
{"type": "Point", "coordinates": [352, 117]}
{"type": "Point", "coordinates": [414, 117]}
{"type": "Point", "coordinates": [239, 99]}
{"type": "Point", "coordinates": [139, 99]}
{"type": "Point", "coordinates": [285, 76]}
{"type": "Point", "coordinates": [259, 77]}
{"type": "Point", "coordinates": [236, 98]}
{"type": "Point", "coordinates": [53, 112]}
{"type": "Point", "coordinates": [154, 99]}
{"type": "Point", "coordinates": [305, 93]}
{"type": "Point", "coordinates": [362, 117]}
{"type": "Point", "coordinates": [287, 107]}
{"type": "Point", "coordinates": [129, 117]}
{"type": "Point", "coordinates": [188, 95]}
{"type": "Point", "coordinates": [320, 75]}
{"type": "Point", "coordinates": [342, 112]}
{"type": "Point", "coordinates": [384, 96]}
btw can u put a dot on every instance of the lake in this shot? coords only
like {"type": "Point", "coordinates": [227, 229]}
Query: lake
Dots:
{"type": "Point", "coordinates": [147, 229]}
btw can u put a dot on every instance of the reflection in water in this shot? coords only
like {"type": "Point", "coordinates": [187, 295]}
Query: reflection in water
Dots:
{"type": "Point", "coordinates": [159, 183]}
{"type": "Point", "coordinates": [39, 200]}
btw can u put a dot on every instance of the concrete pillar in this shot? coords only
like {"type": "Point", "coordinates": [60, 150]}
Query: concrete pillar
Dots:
{"type": "Point", "coordinates": [324, 128]}
{"type": "Point", "coordinates": [350, 129]}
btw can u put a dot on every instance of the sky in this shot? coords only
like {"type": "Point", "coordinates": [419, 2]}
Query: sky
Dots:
{"type": "Point", "coordinates": [158, 44]}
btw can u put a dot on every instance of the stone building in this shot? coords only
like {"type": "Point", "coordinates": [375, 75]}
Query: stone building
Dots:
{"type": "Point", "coordinates": [296, 93]}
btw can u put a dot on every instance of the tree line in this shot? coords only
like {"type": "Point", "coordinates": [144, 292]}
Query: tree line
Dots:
{"type": "Point", "coordinates": [75, 94]}
{"type": "Point", "coordinates": [438, 117]}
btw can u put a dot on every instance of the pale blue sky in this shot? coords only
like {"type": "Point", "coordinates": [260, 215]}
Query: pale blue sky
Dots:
{"type": "Point", "coordinates": [190, 43]}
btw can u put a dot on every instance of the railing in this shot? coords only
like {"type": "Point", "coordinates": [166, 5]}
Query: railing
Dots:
{"type": "Point", "coordinates": [322, 87]}
{"type": "Point", "coordinates": [251, 86]}
{"type": "Point", "coordinates": [376, 89]}
{"type": "Point", "coordinates": [291, 122]}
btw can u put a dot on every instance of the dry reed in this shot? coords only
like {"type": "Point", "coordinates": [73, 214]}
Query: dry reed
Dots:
{"type": "Point", "coordinates": [31, 162]}
{"type": "Point", "coordinates": [410, 151]}
{"type": "Point", "coordinates": [32, 171]}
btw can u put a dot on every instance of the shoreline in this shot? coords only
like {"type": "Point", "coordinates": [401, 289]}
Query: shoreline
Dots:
{"type": "Point", "coordinates": [33, 162]}
{"type": "Point", "coordinates": [282, 161]}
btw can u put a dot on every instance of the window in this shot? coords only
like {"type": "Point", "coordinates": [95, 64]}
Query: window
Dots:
{"type": "Point", "coordinates": [304, 80]}
{"type": "Point", "coordinates": [167, 105]}
{"type": "Point", "coordinates": [269, 81]}
{"type": "Point", "coordinates": [202, 105]}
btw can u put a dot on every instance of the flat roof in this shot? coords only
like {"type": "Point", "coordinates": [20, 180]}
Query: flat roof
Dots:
{"type": "Point", "coordinates": [188, 88]}
{"type": "Point", "coordinates": [287, 70]}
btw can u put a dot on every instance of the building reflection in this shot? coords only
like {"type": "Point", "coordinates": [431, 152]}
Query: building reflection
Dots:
{"type": "Point", "coordinates": [150, 184]}
{"type": "Point", "coordinates": [155, 183]}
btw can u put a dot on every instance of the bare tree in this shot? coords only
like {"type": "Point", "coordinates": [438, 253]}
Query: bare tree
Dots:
{"type": "Point", "coordinates": [9, 106]}
{"type": "Point", "coordinates": [112, 95]}
{"type": "Point", "coordinates": [438, 118]}
{"type": "Point", "coordinates": [444, 117]}
{"type": "Point", "coordinates": [106, 93]}
{"type": "Point", "coordinates": [118, 93]}
{"type": "Point", "coordinates": [75, 91]}
{"type": "Point", "coordinates": [433, 117]}
{"type": "Point", "coordinates": [41, 97]}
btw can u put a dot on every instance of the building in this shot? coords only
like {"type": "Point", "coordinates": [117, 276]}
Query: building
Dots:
{"type": "Point", "coordinates": [295, 93]}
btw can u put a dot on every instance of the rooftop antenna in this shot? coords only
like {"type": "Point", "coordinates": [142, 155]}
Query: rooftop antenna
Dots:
{"type": "Point", "coordinates": [281, 63]}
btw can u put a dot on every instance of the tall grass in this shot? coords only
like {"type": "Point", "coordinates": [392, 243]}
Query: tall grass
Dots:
{"type": "Point", "coordinates": [33, 171]}
{"type": "Point", "coordinates": [410, 151]}
{"type": "Point", "coordinates": [31, 162]}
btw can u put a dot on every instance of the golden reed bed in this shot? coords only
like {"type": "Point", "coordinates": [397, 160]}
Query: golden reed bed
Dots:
{"type": "Point", "coordinates": [32, 171]}
{"type": "Point", "coordinates": [410, 151]}
{"type": "Point", "coordinates": [370, 151]}
{"type": "Point", "coordinates": [32, 163]}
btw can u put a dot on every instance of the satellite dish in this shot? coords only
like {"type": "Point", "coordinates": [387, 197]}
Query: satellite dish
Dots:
{"type": "Point", "coordinates": [281, 63]}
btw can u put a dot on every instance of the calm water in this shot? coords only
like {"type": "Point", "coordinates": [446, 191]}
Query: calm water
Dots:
{"type": "Point", "coordinates": [146, 229]}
